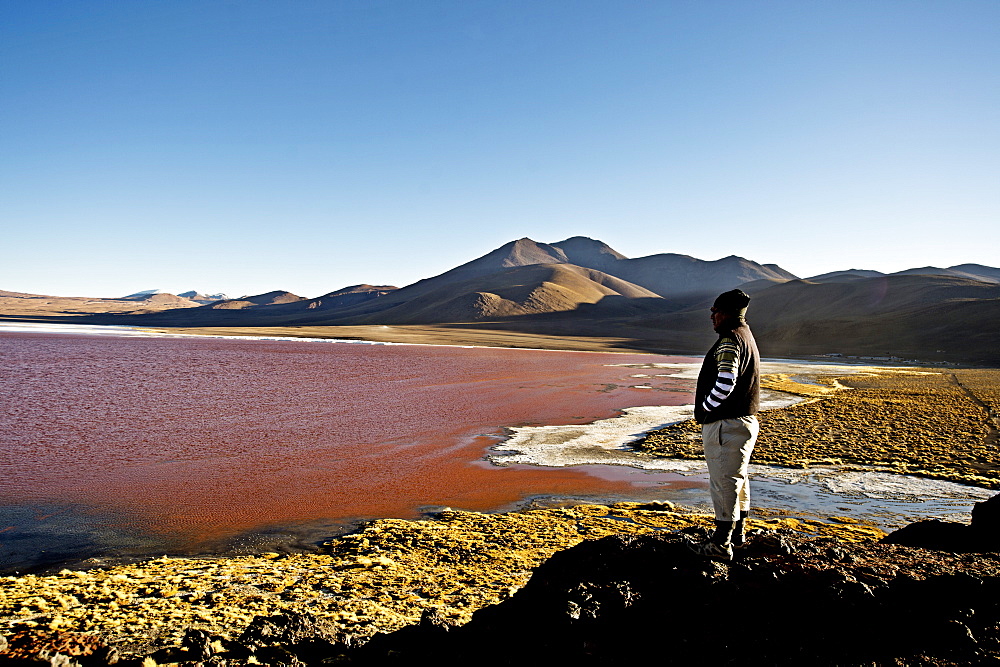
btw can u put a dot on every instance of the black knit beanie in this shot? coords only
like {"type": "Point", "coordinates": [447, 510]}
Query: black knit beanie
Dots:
{"type": "Point", "coordinates": [733, 302]}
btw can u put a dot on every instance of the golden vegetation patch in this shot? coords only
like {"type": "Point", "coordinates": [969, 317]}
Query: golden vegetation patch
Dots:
{"type": "Point", "coordinates": [931, 423]}
{"type": "Point", "coordinates": [378, 579]}
{"type": "Point", "coordinates": [820, 386]}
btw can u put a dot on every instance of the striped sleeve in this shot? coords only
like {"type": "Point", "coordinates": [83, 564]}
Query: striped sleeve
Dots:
{"type": "Point", "coordinates": [727, 360]}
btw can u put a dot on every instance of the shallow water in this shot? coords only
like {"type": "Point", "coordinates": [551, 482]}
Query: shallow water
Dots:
{"type": "Point", "coordinates": [122, 445]}
{"type": "Point", "coordinates": [192, 443]}
{"type": "Point", "coordinates": [886, 499]}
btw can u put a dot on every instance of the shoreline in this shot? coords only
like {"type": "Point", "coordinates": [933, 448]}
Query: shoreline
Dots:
{"type": "Point", "coordinates": [362, 334]}
{"type": "Point", "coordinates": [457, 335]}
{"type": "Point", "coordinates": [377, 579]}
{"type": "Point", "coordinates": [388, 573]}
{"type": "Point", "coordinates": [811, 486]}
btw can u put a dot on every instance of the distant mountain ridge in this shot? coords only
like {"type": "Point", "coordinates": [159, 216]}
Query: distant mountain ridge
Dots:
{"type": "Point", "coordinates": [522, 278]}
{"type": "Point", "coordinates": [986, 274]}
{"type": "Point", "coordinates": [203, 298]}
{"type": "Point", "coordinates": [975, 271]}
{"type": "Point", "coordinates": [267, 299]}
{"type": "Point", "coordinates": [581, 286]}
{"type": "Point", "coordinates": [665, 274]}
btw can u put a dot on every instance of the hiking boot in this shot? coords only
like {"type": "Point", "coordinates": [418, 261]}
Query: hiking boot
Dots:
{"type": "Point", "coordinates": [709, 549]}
{"type": "Point", "coordinates": [739, 539]}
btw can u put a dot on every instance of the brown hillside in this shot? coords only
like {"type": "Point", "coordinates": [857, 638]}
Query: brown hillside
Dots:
{"type": "Point", "coordinates": [911, 316]}
{"type": "Point", "coordinates": [590, 253]}
{"type": "Point", "coordinates": [799, 300]}
{"type": "Point", "coordinates": [686, 279]}
{"type": "Point", "coordinates": [30, 306]}
{"type": "Point", "coordinates": [362, 289]}
{"type": "Point", "coordinates": [671, 275]}
{"type": "Point", "coordinates": [526, 290]}
{"type": "Point", "coordinates": [267, 299]}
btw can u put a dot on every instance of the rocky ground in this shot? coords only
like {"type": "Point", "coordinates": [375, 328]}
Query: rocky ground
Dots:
{"type": "Point", "coordinates": [784, 600]}
{"type": "Point", "coordinates": [381, 578]}
{"type": "Point", "coordinates": [939, 423]}
{"type": "Point", "coordinates": [607, 585]}
{"type": "Point", "coordinates": [799, 593]}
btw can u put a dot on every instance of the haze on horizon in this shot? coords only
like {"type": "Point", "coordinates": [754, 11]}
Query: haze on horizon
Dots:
{"type": "Point", "coordinates": [245, 147]}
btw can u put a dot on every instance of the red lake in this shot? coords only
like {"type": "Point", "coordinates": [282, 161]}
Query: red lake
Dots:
{"type": "Point", "coordinates": [112, 443]}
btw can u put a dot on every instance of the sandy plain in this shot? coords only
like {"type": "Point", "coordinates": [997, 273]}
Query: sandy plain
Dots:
{"type": "Point", "coordinates": [18, 305]}
{"type": "Point", "coordinates": [414, 334]}
{"type": "Point", "coordinates": [939, 423]}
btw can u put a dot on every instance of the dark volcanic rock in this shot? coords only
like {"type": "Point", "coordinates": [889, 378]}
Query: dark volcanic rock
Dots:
{"type": "Point", "coordinates": [982, 535]}
{"type": "Point", "coordinates": [288, 639]}
{"type": "Point", "coordinates": [986, 523]}
{"type": "Point", "coordinates": [785, 600]}
{"type": "Point", "coordinates": [932, 534]}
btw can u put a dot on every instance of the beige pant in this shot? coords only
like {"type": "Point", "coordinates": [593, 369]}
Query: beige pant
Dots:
{"type": "Point", "coordinates": [728, 445]}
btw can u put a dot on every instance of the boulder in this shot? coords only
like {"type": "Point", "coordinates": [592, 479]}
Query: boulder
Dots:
{"type": "Point", "coordinates": [982, 535]}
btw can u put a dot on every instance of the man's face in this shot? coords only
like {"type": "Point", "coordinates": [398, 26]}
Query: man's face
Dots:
{"type": "Point", "coordinates": [718, 317]}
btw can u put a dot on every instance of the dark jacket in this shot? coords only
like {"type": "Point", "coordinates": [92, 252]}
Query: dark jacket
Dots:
{"type": "Point", "coordinates": [745, 397]}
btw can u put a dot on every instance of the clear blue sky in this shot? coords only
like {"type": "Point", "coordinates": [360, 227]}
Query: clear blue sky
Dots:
{"type": "Point", "coordinates": [243, 146]}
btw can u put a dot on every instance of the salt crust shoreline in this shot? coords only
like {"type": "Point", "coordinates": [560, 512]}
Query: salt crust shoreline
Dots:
{"type": "Point", "coordinates": [140, 332]}
{"type": "Point", "coordinates": [607, 442]}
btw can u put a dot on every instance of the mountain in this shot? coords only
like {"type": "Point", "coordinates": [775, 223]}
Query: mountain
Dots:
{"type": "Point", "coordinates": [583, 287]}
{"type": "Point", "coordinates": [904, 315]}
{"type": "Point", "coordinates": [532, 289]}
{"type": "Point", "coordinates": [349, 296]}
{"type": "Point", "coordinates": [145, 294]}
{"type": "Point", "coordinates": [845, 276]}
{"type": "Point", "coordinates": [975, 271]}
{"type": "Point", "coordinates": [672, 275]}
{"type": "Point", "coordinates": [522, 252]}
{"type": "Point", "coordinates": [666, 275]}
{"type": "Point", "coordinates": [203, 298]}
{"type": "Point", "coordinates": [267, 299]}
{"type": "Point", "coordinates": [330, 302]}
{"type": "Point", "coordinates": [590, 253]}
{"type": "Point", "coordinates": [987, 274]}
{"type": "Point", "coordinates": [522, 278]}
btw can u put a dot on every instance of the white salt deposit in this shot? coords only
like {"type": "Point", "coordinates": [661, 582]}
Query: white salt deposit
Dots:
{"type": "Point", "coordinates": [889, 499]}
{"type": "Point", "coordinates": [689, 370]}
{"type": "Point", "coordinates": [111, 330]}
{"type": "Point", "coordinates": [602, 441]}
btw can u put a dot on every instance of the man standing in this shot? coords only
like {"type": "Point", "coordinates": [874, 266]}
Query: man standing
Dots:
{"type": "Point", "coordinates": [726, 400]}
